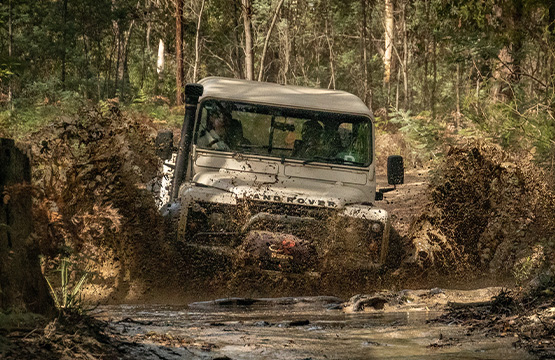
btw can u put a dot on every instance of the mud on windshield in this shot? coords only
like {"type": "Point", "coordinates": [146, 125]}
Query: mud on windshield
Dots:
{"type": "Point", "coordinates": [285, 133]}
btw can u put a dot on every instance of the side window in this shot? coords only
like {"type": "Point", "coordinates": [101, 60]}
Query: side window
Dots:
{"type": "Point", "coordinates": [361, 141]}
{"type": "Point", "coordinates": [201, 126]}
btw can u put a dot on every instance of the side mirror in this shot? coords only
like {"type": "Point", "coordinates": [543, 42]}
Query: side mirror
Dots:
{"type": "Point", "coordinates": [395, 170]}
{"type": "Point", "coordinates": [164, 144]}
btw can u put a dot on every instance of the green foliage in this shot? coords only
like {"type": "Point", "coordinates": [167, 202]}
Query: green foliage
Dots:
{"type": "Point", "coordinates": [158, 111]}
{"type": "Point", "coordinates": [107, 51]}
{"type": "Point", "coordinates": [421, 131]}
{"type": "Point", "coordinates": [5, 70]}
{"type": "Point", "coordinates": [29, 116]}
{"type": "Point", "coordinates": [530, 265]}
{"type": "Point", "coordinates": [522, 124]}
{"type": "Point", "coordinates": [67, 296]}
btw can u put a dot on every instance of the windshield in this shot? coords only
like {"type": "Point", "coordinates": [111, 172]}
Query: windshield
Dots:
{"type": "Point", "coordinates": [308, 135]}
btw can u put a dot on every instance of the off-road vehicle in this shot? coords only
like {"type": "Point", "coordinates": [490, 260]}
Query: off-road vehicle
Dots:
{"type": "Point", "coordinates": [282, 177]}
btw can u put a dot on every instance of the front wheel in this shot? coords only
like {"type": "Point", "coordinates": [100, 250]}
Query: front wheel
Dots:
{"type": "Point", "coordinates": [172, 214]}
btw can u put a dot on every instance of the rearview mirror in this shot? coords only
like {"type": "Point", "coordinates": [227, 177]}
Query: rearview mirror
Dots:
{"type": "Point", "coordinates": [395, 170]}
{"type": "Point", "coordinates": [164, 144]}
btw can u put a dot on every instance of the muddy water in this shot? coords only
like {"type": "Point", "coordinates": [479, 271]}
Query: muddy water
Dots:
{"type": "Point", "coordinates": [302, 330]}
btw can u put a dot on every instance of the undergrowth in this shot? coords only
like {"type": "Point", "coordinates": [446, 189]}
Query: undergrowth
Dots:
{"type": "Point", "coordinates": [29, 116]}
{"type": "Point", "coordinates": [67, 292]}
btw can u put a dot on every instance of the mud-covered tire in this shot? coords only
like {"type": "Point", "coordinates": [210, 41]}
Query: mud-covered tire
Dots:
{"type": "Point", "coordinates": [171, 213]}
{"type": "Point", "coordinates": [396, 250]}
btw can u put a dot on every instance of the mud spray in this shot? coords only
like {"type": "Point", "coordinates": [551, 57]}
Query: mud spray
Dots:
{"type": "Point", "coordinates": [485, 213]}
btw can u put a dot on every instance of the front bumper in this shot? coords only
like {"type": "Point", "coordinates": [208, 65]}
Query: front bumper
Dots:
{"type": "Point", "coordinates": [355, 233]}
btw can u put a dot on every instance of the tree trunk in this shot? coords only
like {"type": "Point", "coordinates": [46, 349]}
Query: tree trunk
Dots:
{"type": "Point", "coordinates": [517, 33]}
{"type": "Point", "coordinates": [329, 40]}
{"type": "Point", "coordinates": [118, 58]}
{"type": "Point", "coordinates": [389, 31]}
{"type": "Point", "coordinates": [160, 62]}
{"type": "Point", "coordinates": [124, 70]}
{"type": "Point", "coordinates": [458, 95]}
{"type": "Point", "coordinates": [22, 285]}
{"type": "Point", "coordinates": [405, 59]}
{"type": "Point", "coordinates": [10, 49]}
{"type": "Point", "coordinates": [425, 86]}
{"type": "Point", "coordinates": [64, 45]}
{"type": "Point", "coordinates": [397, 88]}
{"type": "Point", "coordinates": [85, 71]}
{"type": "Point", "coordinates": [286, 45]}
{"type": "Point", "coordinates": [268, 34]}
{"type": "Point", "coordinates": [238, 68]}
{"type": "Point", "coordinates": [179, 51]}
{"type": "Point", "coordinates": [292, 68]}
{"type": "Point", "coordinates": [434, 69]}
{"type": "Point", "coordinates": [364, 55]}
{"type": "Point", "coordinates": [249, 55]}
{"type": "Point", "coordinates": [197, 43]}
{"type": "Point", "coordinates": [108, 77]}
{"type": "Point", "coordinates": [147, 37]}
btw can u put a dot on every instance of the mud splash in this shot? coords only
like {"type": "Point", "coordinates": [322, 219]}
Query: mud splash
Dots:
{"type": "Point", "coordinates": [487, 211]}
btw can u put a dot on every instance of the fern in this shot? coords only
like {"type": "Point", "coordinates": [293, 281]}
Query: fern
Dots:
{"type": "Point", "coordinates": [68, 295]}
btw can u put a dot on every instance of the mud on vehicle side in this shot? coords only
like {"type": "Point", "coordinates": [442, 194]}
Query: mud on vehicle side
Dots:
{"type": "Point", "coordinates": [280, 177]}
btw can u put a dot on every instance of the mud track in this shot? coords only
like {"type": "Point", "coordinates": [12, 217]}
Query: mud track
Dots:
{"type": "Point", "coordinates": [305, 328]}
{"type": "Point", "coordinates": [390, 324]}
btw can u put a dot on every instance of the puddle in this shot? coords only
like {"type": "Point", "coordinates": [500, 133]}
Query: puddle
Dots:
{"type": "Point", "coordinates": [296, 331]}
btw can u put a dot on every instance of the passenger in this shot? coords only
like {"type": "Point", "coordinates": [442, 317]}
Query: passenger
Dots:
{"type": "Point", "coordinates": [331, 142]}
{"type": "Point", "coordinates": [213, 137]}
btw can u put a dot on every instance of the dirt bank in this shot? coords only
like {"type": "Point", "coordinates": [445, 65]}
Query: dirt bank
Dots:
{"type": "Point", "coordinates": [67, 337]}
{"type": "Point", "coordinates": [529, 318]}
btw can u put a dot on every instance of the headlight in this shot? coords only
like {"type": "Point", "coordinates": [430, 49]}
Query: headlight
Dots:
{"type": "Point", "coordinates": [217, 221]}
{"type": "Point", "coordinates": [376, 227]}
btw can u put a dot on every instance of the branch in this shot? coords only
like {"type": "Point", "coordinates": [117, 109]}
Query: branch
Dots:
{"type": "Point", "coordinates": [268, 34]}
{"type": "Point", "coordinates": [524, 74]}
{"type": "Point", "coordinates": [197, 50]}
{"type": "Point", "coordinates": [220, 58]}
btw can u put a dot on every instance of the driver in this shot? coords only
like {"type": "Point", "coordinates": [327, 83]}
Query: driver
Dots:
{"type": "Point", "coordinates": [215, 133]}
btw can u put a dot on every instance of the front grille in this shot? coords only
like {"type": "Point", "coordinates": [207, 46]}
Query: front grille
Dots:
{"type": "Point", "coordinates": [213, 217]}
{"type": "Point", "coordinates": [324, 228]}
{"type": "Point", "coordinates": [288, 209]}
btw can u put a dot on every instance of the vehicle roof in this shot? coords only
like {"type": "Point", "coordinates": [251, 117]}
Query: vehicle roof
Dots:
{"type": "Point", "coordinates": [284, 95]}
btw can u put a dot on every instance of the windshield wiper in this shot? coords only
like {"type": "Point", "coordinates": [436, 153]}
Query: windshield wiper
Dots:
{"type": "Point", "coordinates": [332, 160]}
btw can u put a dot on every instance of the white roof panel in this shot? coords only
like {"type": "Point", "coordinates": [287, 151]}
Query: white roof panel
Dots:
{"type": "Point", "coordinates": [284, 95]}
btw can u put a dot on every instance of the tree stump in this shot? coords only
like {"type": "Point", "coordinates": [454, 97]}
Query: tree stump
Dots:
{"type": "Point", "coordinates": [22, 285]}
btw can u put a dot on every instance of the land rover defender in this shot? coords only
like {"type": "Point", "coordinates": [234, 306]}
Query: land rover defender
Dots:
{"type": "Point", "coordinates": [283, 177]}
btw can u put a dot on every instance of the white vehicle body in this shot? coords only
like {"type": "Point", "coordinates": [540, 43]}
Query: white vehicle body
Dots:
{"type": "Point", "coordinates": [280, 188]}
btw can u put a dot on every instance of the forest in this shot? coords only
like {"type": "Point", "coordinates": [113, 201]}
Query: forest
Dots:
{"type": "Point", "coordinates": [464, 90]}
{"type": "Point", "coordinates": [430, 68]}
